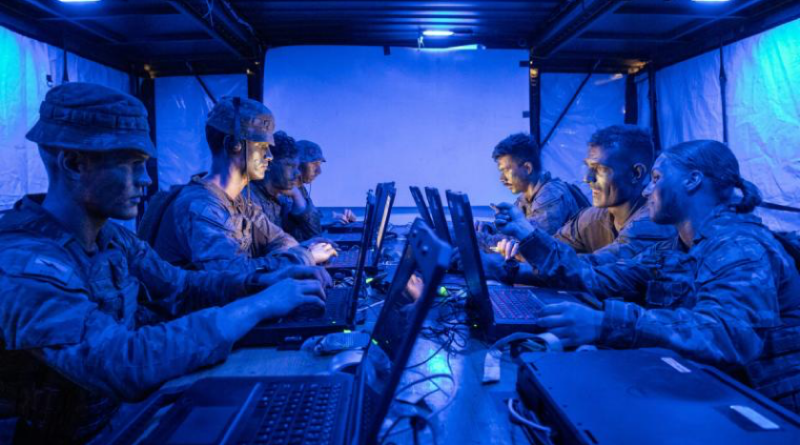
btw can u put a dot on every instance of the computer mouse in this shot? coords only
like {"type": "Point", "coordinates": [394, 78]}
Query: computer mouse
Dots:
{"type": "Point", "coordinates": [307, 311]}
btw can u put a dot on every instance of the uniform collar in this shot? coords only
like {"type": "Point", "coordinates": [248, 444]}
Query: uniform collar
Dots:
{"type": "Point", "coordinates": [31, 215]}
{"type": "Point", "coordinates": [544, 178]}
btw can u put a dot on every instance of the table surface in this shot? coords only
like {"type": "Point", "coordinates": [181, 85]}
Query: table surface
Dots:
{"type": "Point", "coordinates": [477, 414]}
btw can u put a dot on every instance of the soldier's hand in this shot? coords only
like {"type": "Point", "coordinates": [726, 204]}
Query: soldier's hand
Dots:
{"type": "Point", "coordinates": [318, 240]}
{"type": "Point", "coordinates": [511, 221]}
{"type": "Point", "coordinates": [493, 266]}
{"type": "Point", "coordinates": [285, 295]}
{"type": "Point", "coordinates": [508, 248]}
{"type": "Point", "coordinates": [322, 252]}
{"type": "Point", "coordinates": [414, 287]}
{"type": "Point", "coordinates": [346, 217]}
{"type": "Point", "coordinates": [574, 324]}
{"type": "Point", "coordinates": [298, 273]}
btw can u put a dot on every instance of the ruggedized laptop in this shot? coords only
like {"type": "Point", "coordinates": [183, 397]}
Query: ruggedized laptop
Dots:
{"type": "Point", "coordinates": [647, 396]}
{"type": "Point", "coordinates": [437, 213]}
{"type": "Point", "coordinates": [377, 220]}
{"type": "Point", "coordinates": [353, 237]}
{"type": "Point", "coordinates": [315, 409]}
{"type": "Point", "coordinates": [502, 310]}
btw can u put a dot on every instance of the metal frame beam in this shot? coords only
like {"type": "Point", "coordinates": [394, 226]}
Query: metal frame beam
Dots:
{"type": "Point", "coordinates": [219, 25]}
{"type": "Point", "coordinates": [568, 22]}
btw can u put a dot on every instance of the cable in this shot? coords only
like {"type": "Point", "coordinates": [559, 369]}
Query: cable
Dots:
{"type": "Point", "coordinates": [518, 417]}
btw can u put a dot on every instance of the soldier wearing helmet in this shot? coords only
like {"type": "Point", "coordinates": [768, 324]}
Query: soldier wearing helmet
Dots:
{"type": "Point", "coordinates": [72, 345]}
{"type": "Point", "coordinates": [209, 224]}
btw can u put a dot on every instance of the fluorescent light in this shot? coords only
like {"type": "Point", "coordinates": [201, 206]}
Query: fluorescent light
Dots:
{"type": "Point", "coordinates": [437, 33]}
{"type": "Point", "coordinates": [473, 47]}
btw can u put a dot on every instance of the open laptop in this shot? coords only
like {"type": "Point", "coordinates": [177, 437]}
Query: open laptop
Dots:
{"type": "Point", "coordinates": [647, 396]}
{"type": "Point", "coordinates": [335, 408]}
{"type": "Point", "coordinates": [341, 304]}
{"type": "Point", "coordinates": [502, 310]}
{"type": "Point", "coordinates": [422, 207]}
{"type": "Point", "coordinates": [353, 237]}
{"type": "Point", "coordinates": [437, 213]}
{"type": "Point", "coordinates": [373, 236]}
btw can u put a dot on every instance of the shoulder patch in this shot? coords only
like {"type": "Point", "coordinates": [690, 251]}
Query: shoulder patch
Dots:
{"type": "Point", "coordinates": [49, 267]}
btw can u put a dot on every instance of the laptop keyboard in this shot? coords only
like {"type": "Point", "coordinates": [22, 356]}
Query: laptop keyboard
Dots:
{"type": "Point", "coordinates": [515, 303]}
{"type": "Point", "coordinates": [298, 413]}
{"type": "Point", "coordinates": [346, 258]}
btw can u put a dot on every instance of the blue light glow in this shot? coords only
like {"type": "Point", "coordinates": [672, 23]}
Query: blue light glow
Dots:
{"type": "Point", "coordinates": [710, 1]}
{"type": "Point", "coordinates": [437, 33]}
{"type": "Point", "coordinates": [78, 1]}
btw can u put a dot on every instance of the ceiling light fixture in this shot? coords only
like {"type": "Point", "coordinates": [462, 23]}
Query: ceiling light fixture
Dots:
{"type": "Point", "coordinates": [437, 33]}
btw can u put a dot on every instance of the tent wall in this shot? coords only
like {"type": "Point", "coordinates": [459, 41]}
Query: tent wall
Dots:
{"type": "Point", "coordinates": [763, 108]}
{"type": "Point", "coordinates": [600, 103]}
{"type": "Point", "coordinates": [181, 110]}
{"type": "Point", "coordinates": [415, 117]}
{"type": "Point", "coordinates": [25, 65]}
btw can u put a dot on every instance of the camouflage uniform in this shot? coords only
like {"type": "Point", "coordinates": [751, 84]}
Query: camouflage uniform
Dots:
{"type": "Point", "coordinates": [204, 229]}
{"type": "Point", "coordinates": [308, 224]}
{"type": "Point", "coordinates": [304, 226]}
{"type": "Point", "coordinates": [593, 233]}
{"type": "Point", "coordinates": [551, 205]}
{"type": "Point", "coordinates": [198, 226]}
{"type": "Point", "coordinates": [731, 300]}
{"type": "Point", "coordinates": [70, 343]}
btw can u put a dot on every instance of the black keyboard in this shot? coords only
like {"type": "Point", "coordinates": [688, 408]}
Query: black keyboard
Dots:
{"type": "Point", "coordinates": [298, 413]}
{"type": "Point", "coordinates": [344, 237]}
{"type": "Point", "coordinates": [346, 258]}
{"type": "Point", "coordinates": [515, 303]}
{"type": "Point", "coordinates": [337, 303]}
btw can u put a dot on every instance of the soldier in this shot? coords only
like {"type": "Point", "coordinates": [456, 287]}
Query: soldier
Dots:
{"type": "Point", "coordinates": [618, 225]}
{"type": "Point", "coordinates": [311, 160]}
{"type": "Point", "coordinates": [724, 291]}
{"type": "Point", "coordinates": [209, 224]}
{"type": "Point", "coordinates": [70, 345]}
{"type": "Point", "coordinates": [272, 194]}
{"type": "Point", "coordinates": [548, 203]}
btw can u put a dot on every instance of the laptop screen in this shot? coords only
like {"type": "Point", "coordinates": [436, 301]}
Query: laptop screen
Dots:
{"type": "Point", "coordinates": [397, 326]}
{"type": "Point", "coordinates": [467, 242]}
{"type": "Point", "coordinates": [437, 213]}
{"type": "Point", "coordinates": [416, 193]}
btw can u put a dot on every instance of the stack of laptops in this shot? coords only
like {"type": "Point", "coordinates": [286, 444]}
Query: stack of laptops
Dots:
{"type": "Point", "coordinates": [353, 237]}
{"type": "Point", "coordinates": [378, 211]}
{"type": "Point", "coordinates": [502, 310]}
{"type": "Point", "coordinates": [646, 396]}
{"type": "Point", "coordinates": [315, 409]}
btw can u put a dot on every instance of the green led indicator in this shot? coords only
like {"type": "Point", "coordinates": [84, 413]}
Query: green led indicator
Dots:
{"type": "Point", "coordinates": [442, 291]}
{"type": "Point", "coordinates": [375, 342]}
{"type": "Point", "coordinates": [369, 280]}
{"type": "Point", "coordinates": [347, 331]}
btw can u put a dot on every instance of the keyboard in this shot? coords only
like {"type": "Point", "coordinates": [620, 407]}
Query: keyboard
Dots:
{"type": "Point", "coordinates": [298, 413]}
{"type": "Point", "coordinates": [345, 259]}
{"type": "Point", "coordinates": [515, 303]}
{"type": "Point", "coordinates": [337, 305]}
{"type": "Point", "coordinates": [344, 237]}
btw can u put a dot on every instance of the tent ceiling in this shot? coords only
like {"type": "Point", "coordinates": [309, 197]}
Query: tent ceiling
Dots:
{"type": "Point", "coordinates": [218, 36]}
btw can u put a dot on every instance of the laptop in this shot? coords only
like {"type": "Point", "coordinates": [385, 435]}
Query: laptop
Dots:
{"type": "Point", "coordinates": [647, 396]}
{"type": "Point", "coordinates": [335, 408]}
{"type": "Point", "coordinates": [353, 237]}
{"type": "Point", "coordinates": [502, 310]}
{"type": "Point", "coordinates": [437, 213]}
{"type": "Point", "coordinates": [377, 224]}
{"type": "Point", "coordinates": [422, 207]}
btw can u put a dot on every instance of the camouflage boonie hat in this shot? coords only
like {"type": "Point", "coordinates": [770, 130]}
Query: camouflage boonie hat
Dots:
{"type": "Point", "coordinates": [257, 123]}
{"type": "Point", "coordinates": [90, 117]}
{"type": "Point", "coordinates": [310, 152]}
